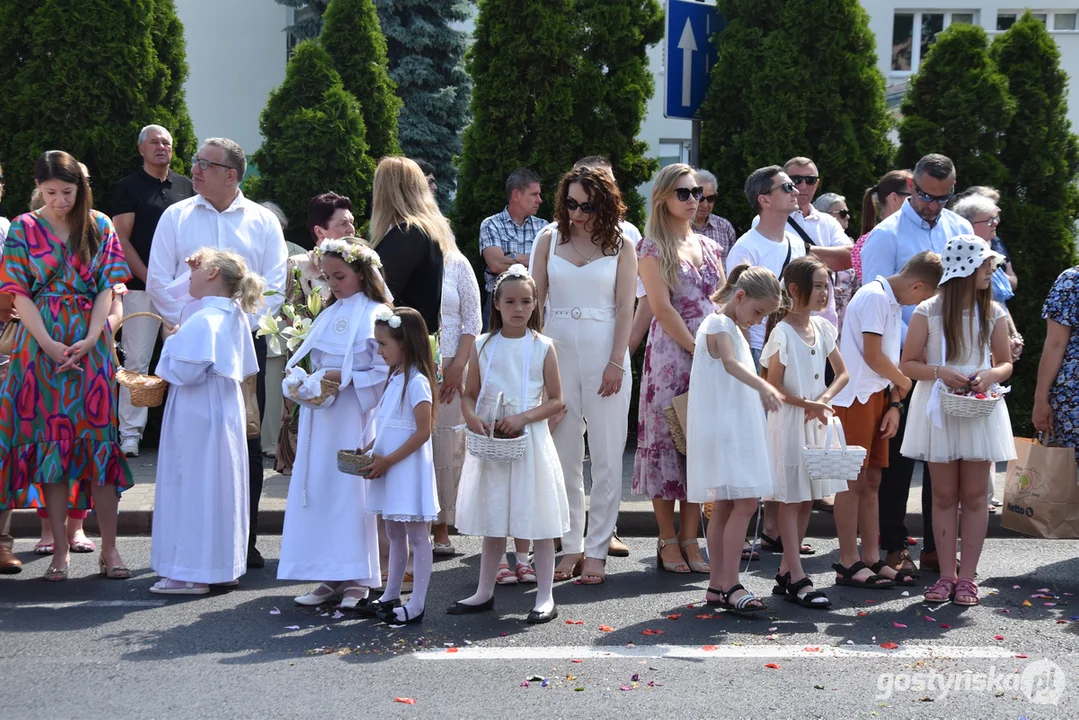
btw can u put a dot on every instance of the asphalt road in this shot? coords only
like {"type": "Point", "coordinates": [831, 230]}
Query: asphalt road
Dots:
{"type": "Point", "coordinates": [92, 648]}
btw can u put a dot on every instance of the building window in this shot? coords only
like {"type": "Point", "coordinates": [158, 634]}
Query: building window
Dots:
{"type": "Point", "coordinates": [1064, 21]}
{"type": "Point", "coordinates": [913, 32]}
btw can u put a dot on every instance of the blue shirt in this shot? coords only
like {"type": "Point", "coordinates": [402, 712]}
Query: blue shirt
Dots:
{"type": "Point", "coordinates": [901, 236]}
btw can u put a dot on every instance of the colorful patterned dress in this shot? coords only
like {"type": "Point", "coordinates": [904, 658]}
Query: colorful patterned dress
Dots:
{"type": "Point", "coordinates": [59, 427]}
{"type": "Point", "coordinates": [659, 470]}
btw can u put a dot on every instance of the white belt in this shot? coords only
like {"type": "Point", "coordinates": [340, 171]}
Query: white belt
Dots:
{"type": "Point", "coordinates": [578, 313]}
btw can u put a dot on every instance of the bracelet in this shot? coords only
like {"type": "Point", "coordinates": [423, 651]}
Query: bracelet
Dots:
{"type": "Point", "coordinates": [612, 362]}
{"type": "Point", "coordinates": [936, 372]}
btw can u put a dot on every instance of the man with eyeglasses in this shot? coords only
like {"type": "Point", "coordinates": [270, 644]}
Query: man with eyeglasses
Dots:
{"type": "Point", "coordinates": [137, 203]}
{"type": "Point", "coordinates": [219, 216]}
{"type": "Point", "coordinates": [921, 224]}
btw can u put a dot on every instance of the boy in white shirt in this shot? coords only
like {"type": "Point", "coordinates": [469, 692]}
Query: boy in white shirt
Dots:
{"type": "Point", "coordinates": [869, 408]}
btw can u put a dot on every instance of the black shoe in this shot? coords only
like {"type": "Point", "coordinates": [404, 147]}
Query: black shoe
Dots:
{"type": "Point", "coordinates": [536, 617]}
{"type": "Point", "coordinates": [373, 608]}
{"type": "Point", "coordinates": [462, 609]}
{"type": "Point", "coordinates": [388, 616]}
{"type": "Point", "coordinates": [254, 558]}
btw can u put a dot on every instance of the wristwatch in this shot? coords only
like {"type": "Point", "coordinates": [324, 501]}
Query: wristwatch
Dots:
{"type": "Point", "coordinates": [897, 405]}
{"type": "Point", "coordinates": [512, 256]}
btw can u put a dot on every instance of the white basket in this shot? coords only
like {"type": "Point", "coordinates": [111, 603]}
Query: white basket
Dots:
{"type": "Point", "coordinates": [828, 462]}
{"type": "Point", "coordinates": [967, 406]}
{"type": "Point", "coordinates": [496, 449]}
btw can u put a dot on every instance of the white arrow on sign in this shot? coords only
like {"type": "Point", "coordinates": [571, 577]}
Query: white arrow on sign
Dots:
{"type": "Point", "coordinates": [688, 45]}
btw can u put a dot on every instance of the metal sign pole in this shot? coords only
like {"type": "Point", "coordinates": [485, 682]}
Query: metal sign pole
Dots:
{"type": "Point", "coordinates": [695, 143]}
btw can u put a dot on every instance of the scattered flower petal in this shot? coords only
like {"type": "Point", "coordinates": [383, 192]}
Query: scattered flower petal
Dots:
{"type": "Point", "coordinates": [709, 648]}
{"type": "Point", "coordinates": [998, 637]}
{"type": "Point", "coordinates": [705, 617]}
{"type": "Point", "coordinates": [771, 637]}
{"type": "Point", "coordinates": [577, 660]}
{"type": "Point", "coordinates": [1021, 656]}
{"type": "Point", "coordinates": [889, 645]}
{"type": "Point", "coordinates": [452, 649]}
{"type": "Point", "coordinates": [406, 701]}
{"type": "Point", "coordinates": [1006, 611]}
{"type": "Point", "coordinates": [1048, 604]}
{"type": "Point", "coordinates": [293, 627]}
{"type": "Point", "coordinates": [905, 593]}
{"type": "Point", "coordinates": [625, 687]}
{"type": "Point", "coordinates": [524, 683]}
{"type": "Point", "coordinates": [275, 611]}
{"type": "Point", "coordinates": [1016, 587]}
{"type": "Point", "coordinates": [946, 626]}
{"type": "Point", "coordinates": [575, 622]}
{"type": "Point", "coordinates": [1043, 589]}
{"type": "Point", "coordinates": [674, 616]}
{"type": "Point", "coordinates": [898, 624]}
{"type": "Point", "coordinates": [606, 628]}
{"type": "Point", "coordinates": [773, 666]}
{"type": "Point", "coordinates": [543, 684]}
{"type": "Point", "coordinates": [772, 629]}
{"type": "Point", "coordinates": [811, 649]}
{"type": "Point", "coordinates": [337, 615]}
{"type": "Point", "coordinates": [862, 614]}
{"type": "Point", "coordinates": [649, 631]}
{"type": "Point", "coordinates": [635, 677]}
{"type": "Point", "coordinates": [1027, 603]}
{"type": "Point", "coordinates": [930, 619]}
{"type": "Point", "coordinates": [850, 642]}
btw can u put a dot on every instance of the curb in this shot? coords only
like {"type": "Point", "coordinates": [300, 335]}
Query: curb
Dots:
{"type": "Point", "coordinates": [631, 523]}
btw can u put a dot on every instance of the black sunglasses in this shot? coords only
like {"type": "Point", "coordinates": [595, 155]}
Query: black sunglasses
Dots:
{"type": "Point", "coordinates": [787, 187]}
{"type": "Point", "coordinates": [710, 198]}
{"type": "Point", "coordinates": [844, 213]}
{"type": "Point", "coordinates": [926, 197]}
{"type": "Point", "coordinates": [684, 193]}
{"type": "Point", "coordinates": [807, 179]}
{"type": "Point", "coordinates": [585, 207]}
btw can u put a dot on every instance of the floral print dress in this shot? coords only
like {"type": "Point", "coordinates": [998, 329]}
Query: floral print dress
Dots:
{"type": "Point", "coordinates": [59, 427]}
{"type": "Point", "coordinates": [659, 470]}
{"type": "Point", "coordinates": [1062, 306]}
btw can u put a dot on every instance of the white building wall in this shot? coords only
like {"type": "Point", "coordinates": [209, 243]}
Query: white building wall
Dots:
{"type": "Point", "coordinates": [236, 50]}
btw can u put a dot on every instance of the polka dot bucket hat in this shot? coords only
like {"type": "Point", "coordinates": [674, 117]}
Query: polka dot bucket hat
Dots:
{"type": "Point", "coordinates": [964, 254]}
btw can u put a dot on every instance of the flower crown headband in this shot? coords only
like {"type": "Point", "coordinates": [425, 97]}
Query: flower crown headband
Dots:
{"type": "Point", "coordinates": [351, 252]}
{"type": "Point", "coordinates": [384, 314]}
{"type": "Point", "coordinates": [517, 270]}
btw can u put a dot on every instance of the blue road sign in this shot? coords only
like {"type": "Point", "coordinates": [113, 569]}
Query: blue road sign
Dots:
{"type": "Point", "coordinates": [690, 55]}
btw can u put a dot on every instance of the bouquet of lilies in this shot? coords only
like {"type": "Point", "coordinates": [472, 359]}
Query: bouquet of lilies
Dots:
{"type": "Point", "coordinates": [288, 331]}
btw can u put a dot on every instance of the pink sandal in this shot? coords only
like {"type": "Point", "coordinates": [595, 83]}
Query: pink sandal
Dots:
{"type": "Point", "coordinates": [505, 575]}
{"type": "Point", "coordinates": [942, 591]}
{"type": "Point", "coordinates": [43, 548]}
{"type": "Point", "coordinates": [525, 573]}
{"type": "Point", "coordinates": [966, 588]}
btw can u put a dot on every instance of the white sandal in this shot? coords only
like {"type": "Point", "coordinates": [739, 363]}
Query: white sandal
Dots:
{"type": "Point", "coordinates": [317, 598]}
{"type": "Point", "coordinates": [165, 586]}
{"type": "Point", "coordinates": [352, 596]}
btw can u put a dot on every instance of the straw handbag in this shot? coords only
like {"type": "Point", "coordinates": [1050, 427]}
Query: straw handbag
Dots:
{"type": "Point", "coordinates": [353, 462]}
{"type": "Point", "coordinates": [146, 390]}
{"type": "Point", "coordinates": [834, 460]}
{"type": "Point", "coordinates": [676, 420]}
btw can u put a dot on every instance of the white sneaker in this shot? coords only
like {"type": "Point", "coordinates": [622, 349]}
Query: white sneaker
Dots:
{"type": "Point", "coordinates": [130, 446]}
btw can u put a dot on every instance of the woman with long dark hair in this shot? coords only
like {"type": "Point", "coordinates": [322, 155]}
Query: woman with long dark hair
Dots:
{"type": "Point", "coordinates": [59, 446]}
{"type": "Point", "coordinates": [589, 273]}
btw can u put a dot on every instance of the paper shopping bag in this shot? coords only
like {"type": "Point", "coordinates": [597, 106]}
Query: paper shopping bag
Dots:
{"type": "Point", "coordinates": [1041, 496]}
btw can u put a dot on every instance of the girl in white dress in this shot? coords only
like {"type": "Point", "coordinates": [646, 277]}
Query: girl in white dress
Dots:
{"type": "Point", "coordinates": [728, 462]}
{"type": "Point", "coordinates": [964, 337]}
{"type": "Point", "coordinates": [794, 357]}
{"type": "Point", "coordinates": [511, 371]}
{"type": "Point", "coordinates": [401, 479]}
{"type": "Point", "coordinates": [201, 502]}
{"type": "Point", "coordinates": [328, 535]}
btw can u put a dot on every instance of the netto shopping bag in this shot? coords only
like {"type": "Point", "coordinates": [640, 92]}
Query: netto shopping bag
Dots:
{"type": "Point", "coordinates": [1041, 495]}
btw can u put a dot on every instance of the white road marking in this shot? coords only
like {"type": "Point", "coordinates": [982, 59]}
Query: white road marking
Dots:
{"type": "Point", "coordinates": [717, 651]}
{"type": "Point", "coordinates": [81, 604]}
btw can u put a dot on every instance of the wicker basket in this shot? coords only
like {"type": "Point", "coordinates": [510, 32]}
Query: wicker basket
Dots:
{"type": "Point", "coordinates": [966, 406]}
{"type": "Point", "coordinates": [353, 462]}
{"type": "Point", "coordinates": [488, 447]}
{"type": "Point", "coordinates": [145, 390]}
{"type": "Point", "coordinates": [829, 462]}
{"type": "Point", "coordinates": [329, 389]}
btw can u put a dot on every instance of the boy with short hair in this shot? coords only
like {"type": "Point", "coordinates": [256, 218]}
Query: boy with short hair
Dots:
{"type": "Point", "coordinates": [869, 408]}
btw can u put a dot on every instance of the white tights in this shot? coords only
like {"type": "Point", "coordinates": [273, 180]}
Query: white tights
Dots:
{"type": "Point", "coordinates": [491, 555]}
{"type": "Point", "coordinates": [401, 535]}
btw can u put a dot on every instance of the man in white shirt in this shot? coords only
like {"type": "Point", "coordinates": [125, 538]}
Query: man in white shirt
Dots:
{"type": "Point", "coordinates": [771, 244]}
{"type": "Point", "coordinates": [219, 216]}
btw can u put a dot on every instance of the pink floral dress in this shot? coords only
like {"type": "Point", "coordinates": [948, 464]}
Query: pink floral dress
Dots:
{"type": "Point", "coordinates": [659, 470]}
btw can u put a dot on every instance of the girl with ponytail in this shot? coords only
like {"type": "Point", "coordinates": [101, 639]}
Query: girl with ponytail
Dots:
{"type": "Point", "coordinates": [201, 503]}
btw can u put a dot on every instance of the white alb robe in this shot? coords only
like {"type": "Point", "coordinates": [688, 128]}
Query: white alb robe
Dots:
{"type": "Point", "coordinates": [327, 534]}
{"type": "Point", "coordinates": [201, 511]}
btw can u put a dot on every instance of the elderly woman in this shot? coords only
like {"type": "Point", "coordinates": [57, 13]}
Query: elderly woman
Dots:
{"type": "Point", "coordinates": [329, 217]}
{"type": "Point", "coordinates": [704, 222]}
{"type": "Point", "coordinates": [62, 264]}
{"type": "Point", "coordinates": [836, 205]}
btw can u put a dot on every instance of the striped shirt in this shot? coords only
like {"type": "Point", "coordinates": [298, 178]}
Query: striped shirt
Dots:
{"type": "Point", "coordinates": [501, 231]}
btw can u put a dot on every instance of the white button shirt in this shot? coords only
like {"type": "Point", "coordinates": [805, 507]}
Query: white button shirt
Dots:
{"type": "Point", "coordinates": [245, 227]}
{"type": "Point", "coordinates": [874, 310]}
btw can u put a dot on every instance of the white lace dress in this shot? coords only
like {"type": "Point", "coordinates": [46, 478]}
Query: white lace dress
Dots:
{"type": "Point", "coordinates": [406, 493]}
{"type": "Point", "coordinates": [788, 432]}
{"type": "Point", "coordinates": [460, 317]}
{"type": "Point", "coordinates": [525, 499]}
{"type": "Point", "coordinates": [727, 454]}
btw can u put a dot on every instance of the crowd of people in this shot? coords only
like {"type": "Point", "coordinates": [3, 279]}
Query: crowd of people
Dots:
{"type": "Point", "coordinates": [479, 417]}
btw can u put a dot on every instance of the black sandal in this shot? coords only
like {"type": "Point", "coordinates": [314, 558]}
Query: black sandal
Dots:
{"type": "Point", "coordinates": [902, 577]}
{"type": "Point", "coordinates": [743, 605]}
{"type": "Point", "coordinates": [775, 545]}
{"type": "Point", "coordinates": [846, 577]}
{"type": "Point", "coordinates": [807, 599]}
{"type": "Point", "coordinates": [714, 603]}
{"type": "Point", "coordinates": [780, 588]}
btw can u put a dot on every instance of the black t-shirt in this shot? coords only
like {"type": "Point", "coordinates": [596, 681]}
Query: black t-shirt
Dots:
{"type": "Point", "coordinates": [413, 264]}
{"type": "Point", "coordinates": [147, 197]}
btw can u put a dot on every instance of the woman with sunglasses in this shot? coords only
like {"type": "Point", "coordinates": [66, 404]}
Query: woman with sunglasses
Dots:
{"type": "Point", "coordinates": [835, 205]}
{"type": "Point", "coordinates": [680, 270]}
{"type": "Point", "coordinates": [588, 272]}
{"type": "Point", "coordinates": [707, 224]}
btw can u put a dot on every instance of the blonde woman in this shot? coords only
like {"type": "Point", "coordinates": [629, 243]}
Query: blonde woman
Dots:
{"type": "Point", "coordinates": [680, 270]}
